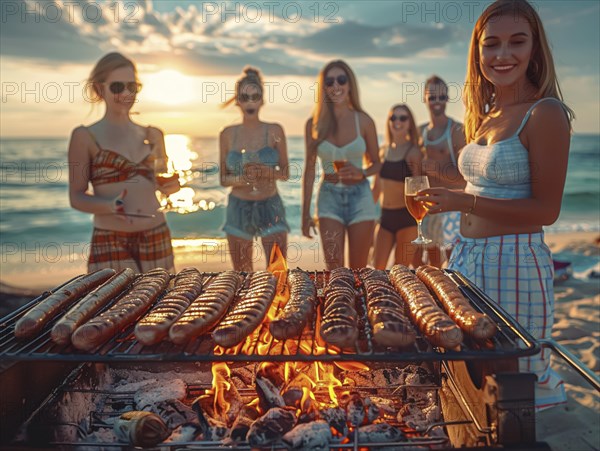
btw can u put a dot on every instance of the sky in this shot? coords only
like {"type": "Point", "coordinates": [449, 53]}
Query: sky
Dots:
{"type": "Point", "coordinates": [190, 53]}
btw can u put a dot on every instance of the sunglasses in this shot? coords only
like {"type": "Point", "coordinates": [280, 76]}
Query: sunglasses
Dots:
{"type": "Point", "coordinates": [243, 98]}
{"type": "Point", "coordinates": [117, 87]}
{"type": "Point", "coordinates": [441, 98]}
{"type": "Point", "coordinates": [402, 118]}
{"type": "Point", "coordinates": [341, 80]}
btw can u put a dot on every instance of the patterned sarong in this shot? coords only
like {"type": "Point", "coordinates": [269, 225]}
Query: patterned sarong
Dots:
{"type": "Point", "coordinates": [141, 251]}
{"type": "Point", "coordinates": [516, 271]}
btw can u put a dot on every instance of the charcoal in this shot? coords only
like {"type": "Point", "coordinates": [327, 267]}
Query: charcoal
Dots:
{"type": "Point", "coordinates": [273, 372]}
{"type": "Point", "coordinates": [379, 432]}
{"type": "Point", "coordinates": [268, 394]}
{"type": "Point", "coordinates": [336, 418]}
{"type": "Point", "coordinates": [292, 396]}
{"type": "Point", "coordinates": [355, 410]}
{"type": "Point", "coordinates": [242, 423]}
{"type": "Point", "coordinates": [158, 391]}
{"type": "Point", "coordinates": [372, 410]}
{"type": "Point", "coordinates": [386, 406]}
{"type": "Point", "coordinates": [271, 427]}
{"type": "Point", "coordinates": [185, 433]}
{"type": "Point", "coordinates": [173, 412]}
{"type": "Point", "coordinates": [314, 436]}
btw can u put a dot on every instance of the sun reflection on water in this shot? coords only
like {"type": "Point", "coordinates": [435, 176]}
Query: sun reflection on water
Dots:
{"type": "Point", "coordinates": [181, 157]}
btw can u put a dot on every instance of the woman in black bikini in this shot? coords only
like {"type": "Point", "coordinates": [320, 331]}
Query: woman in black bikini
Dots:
{"type": "Point", "coordinates": [401, 158]}
{"type": "Point", "coordinates": [117, 156]}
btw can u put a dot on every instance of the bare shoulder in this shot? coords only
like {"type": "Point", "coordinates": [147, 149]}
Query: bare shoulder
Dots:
{"type": "Point", "coordinates": [80, 134]}
{"type": "Point", "coordinates": [227, 131]}
{"type": "Point", "coordinates": [457, 126]}
{"type": "Point", "coordinates": [155, 133]}
{"type": "Point", "coordinates": [365, 120]}
{"type": "Point", "coordinates": [550, 110]}
{"type": "Point", "coordinates": [274, 127]}
{"type": "Point", "coordinates": [548, 118]}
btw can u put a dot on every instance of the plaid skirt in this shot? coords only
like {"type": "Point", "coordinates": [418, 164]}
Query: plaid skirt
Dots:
{"type": "Point", "coordinates": [517, 272]}
{"type": "Point", "coordinates": [140, 251]}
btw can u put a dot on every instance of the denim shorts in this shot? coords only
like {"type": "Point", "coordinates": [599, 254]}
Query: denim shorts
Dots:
{"type": "Point", "coordinates": [348, 204]}
{"type": "Point", "coordinates": [249, 218]}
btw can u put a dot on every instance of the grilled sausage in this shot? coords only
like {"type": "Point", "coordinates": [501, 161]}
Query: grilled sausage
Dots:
{"type": "Point", "coordinates": [431, 320]}
{"type": "Point", "coordinates": [300, 307]}
{"type": "Point", "coordinates": [246, 315]}
{"type": "Point", "coordinates": [339, 324]}
{"type": "Point", "coordinates": [154, 327]}
{"type": "Point", "coordinates": [125, 311]}
{"type": "Point", "coordinates": [36, 318]}
{"type": "Point", "coordinates": [472, 322]}
{"type": "Point", "coordinates": [89, 305]}
{"type": "Point", "coordinates": [385, 310]}
{"type": "Point", "coordinates": [207, 309]}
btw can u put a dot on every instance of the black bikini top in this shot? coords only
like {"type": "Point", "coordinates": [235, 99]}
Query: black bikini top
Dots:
{"type": "Point", "coordinates": [395, 170]}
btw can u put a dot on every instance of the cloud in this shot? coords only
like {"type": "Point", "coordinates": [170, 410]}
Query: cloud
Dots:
{"type": "Point", "coordinates": [353, 39]}
{"type": "Point", "coordinates": [202, 44]}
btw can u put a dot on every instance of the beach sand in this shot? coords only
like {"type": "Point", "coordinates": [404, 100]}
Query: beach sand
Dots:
{"type": "Point", "coordinates": [575, 426]}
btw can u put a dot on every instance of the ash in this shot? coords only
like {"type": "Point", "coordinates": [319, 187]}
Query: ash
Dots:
{"type": "Point", "coordinates": [379, 405]}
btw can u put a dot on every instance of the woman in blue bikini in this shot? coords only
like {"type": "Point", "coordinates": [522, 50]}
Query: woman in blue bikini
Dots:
{"type": "Point", "coordinates": [253, 156]}
{"type": "Point", "coordinates": [342, 135]}
{"type": "Point", "coordinates": [515, 165]}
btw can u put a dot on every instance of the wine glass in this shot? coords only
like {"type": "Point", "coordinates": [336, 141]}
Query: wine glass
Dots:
{"type": "Point", "coordinates": [417, 209]}
{"type": "Point", "coordinates": [165, 173]}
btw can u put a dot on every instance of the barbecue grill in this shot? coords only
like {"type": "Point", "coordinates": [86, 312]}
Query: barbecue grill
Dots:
{"type": "Point", "coordinates": [485, 402]}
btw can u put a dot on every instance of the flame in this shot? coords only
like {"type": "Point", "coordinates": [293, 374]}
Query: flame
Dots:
{"type": "Point", "coordinates": [221, 385]}
{"type": "Point", "coordinates": [309, 376]}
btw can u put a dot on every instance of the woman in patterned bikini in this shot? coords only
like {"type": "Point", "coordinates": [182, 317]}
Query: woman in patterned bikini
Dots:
{"type": "Point", "coordinates": [119, 157]}
{"type": "Point", "coordinates": [517, 124]}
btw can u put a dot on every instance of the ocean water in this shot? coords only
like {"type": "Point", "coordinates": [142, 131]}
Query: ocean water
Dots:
{"type": "Point", "coordinates": [36, 220]}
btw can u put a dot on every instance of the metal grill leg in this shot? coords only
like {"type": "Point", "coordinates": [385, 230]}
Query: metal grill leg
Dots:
{"type": "Point", "coordinates": [510, 403]}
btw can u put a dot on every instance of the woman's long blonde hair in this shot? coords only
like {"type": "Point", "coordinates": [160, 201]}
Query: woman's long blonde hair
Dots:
{"type": "Point", "coordinates": [100, 72]}
{"type": "Point", "coordinates": [413, 133]}
{"type": "Point", "coordinates": [479, 92]}
{"type": "Point", "coordinates": [323, 120]}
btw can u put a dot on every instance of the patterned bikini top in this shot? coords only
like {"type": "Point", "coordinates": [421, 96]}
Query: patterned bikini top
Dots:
{"type": "Point", "coordinates": [108, 166]}
{"type": "Point", "coordinates": [500, 170]}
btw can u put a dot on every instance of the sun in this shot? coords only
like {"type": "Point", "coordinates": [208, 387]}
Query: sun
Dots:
{"type": "Point", "coordinates": [169, 87]}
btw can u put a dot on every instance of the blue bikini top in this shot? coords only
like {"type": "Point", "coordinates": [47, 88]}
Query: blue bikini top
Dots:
{"type": "Point", "coordinates": [267, 155]}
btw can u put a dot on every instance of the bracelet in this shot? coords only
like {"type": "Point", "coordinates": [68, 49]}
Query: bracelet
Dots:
{"type": "Point", "coordinates": [474, 203]}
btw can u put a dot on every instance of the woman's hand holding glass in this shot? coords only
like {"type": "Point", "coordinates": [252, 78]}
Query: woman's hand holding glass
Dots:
{"type": "Point", "coordinates": [417, 206]}
{"type": "Point", "coordinates": [347, 171]}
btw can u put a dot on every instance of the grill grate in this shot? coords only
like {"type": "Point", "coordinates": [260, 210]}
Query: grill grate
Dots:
{"type": "Point", "coordinates": [510, 342]}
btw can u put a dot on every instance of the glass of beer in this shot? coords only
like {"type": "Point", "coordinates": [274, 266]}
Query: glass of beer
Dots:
{"type": "Point", "coordinates": [417, 209]}
{"type": "Point", "coordinates": [338, 164]}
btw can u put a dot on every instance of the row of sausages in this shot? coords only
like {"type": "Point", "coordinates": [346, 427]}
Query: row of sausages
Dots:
{"type": "Point", "coordinates": [232, 308]}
